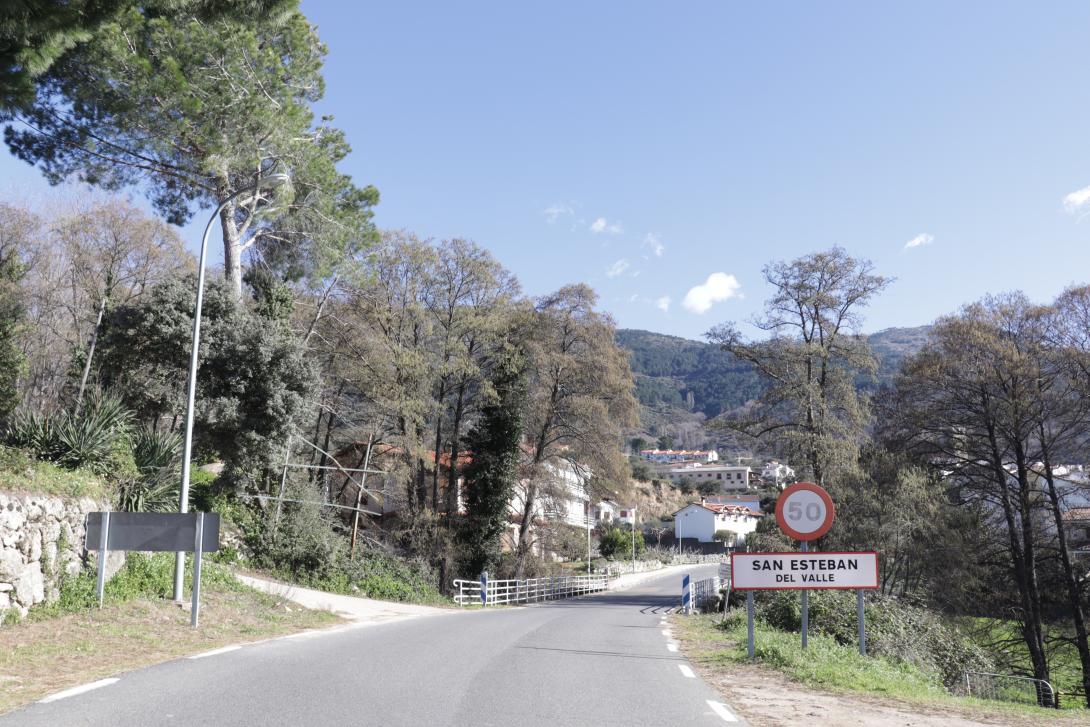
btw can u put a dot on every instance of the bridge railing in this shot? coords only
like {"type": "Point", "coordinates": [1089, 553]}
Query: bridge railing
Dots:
{"type": "Point", "coordinates": [1010, 688]}
{"type": "Point", "coordinates": [527, 590]}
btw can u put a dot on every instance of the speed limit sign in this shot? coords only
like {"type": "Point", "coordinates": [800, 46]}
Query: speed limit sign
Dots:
{"type": "Point", "coordinates": [805, 511]}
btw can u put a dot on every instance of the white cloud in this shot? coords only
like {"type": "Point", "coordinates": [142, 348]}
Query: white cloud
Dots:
{"type": "Point", "coordinates": [555, 211]}
{"type": "Point", "coordinates": [717, 288]}
{"type": "Point", "coordinates": [601, 225]}
{"type": "Point", "coordinates": [663, 304]}
{"type": "Point", "coordinates": [1078, 201]}
{"type": "Point", "coordinates": [921, 239]}
{"type": "Point", "coordinates": [652, 242]}
{"type": "Point", "coordinates": [617, 268]}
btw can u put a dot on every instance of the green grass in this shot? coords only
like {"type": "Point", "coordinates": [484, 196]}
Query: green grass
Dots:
{"type": "Point", "coordinates": [834, 667]}
{"type": "Point", "coordinates": [828, 664]}
{"type": "Point", "coordinates": [20, 472]}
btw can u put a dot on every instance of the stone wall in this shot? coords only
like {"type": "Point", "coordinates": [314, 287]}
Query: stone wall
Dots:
{"type": "Point", "coordinates": [41, 540]}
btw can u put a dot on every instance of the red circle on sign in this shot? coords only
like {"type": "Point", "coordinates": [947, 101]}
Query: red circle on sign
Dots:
{"type": "Point", "coordinates": [830, 510]}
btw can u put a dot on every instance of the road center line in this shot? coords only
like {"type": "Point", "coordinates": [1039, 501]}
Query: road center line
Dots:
{"type": "Point", "coordinates": [214, 652]}
{"type": "Point", "coordinates": [686, 671]}
{"type": "Point", "coordinates": [78, 690]}
{"type": "Point", "coordinates": [721, 709]}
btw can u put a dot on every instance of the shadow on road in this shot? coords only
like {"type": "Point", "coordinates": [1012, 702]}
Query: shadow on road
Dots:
{"type": "Point", "coordinates": [590, 652]}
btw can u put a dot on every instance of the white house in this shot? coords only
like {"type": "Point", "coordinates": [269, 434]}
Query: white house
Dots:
{"type": "Point", "coordinates": [777, 473]}
{"type": "Point", "coordinates": [626, 514]}
{"type": "Point", "coordinates": [605, 512]}
{"type": "Point", "coordinates": [727, 476]}
{"type": "Point", "coordinates": [702, 520]}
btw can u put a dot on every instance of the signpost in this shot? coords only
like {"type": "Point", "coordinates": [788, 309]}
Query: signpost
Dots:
{"type": "Point", "coordinates": [805, 512]}
{"type": "Point", "coordinates": [156, 532]}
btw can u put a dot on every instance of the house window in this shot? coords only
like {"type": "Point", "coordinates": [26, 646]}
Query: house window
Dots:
{"type": "Point", "coordinates": [718, 475]}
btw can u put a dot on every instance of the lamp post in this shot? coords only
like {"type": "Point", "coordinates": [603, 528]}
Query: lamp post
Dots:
{"type": "Point", "coordinates": [633, 540]}
{"type": "Point", "coordinates": [273, 180]}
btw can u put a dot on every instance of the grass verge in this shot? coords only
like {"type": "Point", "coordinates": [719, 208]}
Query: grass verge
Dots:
{"type": "Point", "coordinates": [71, 642]}
{"type": "Point", "coordinates": [839, 669]}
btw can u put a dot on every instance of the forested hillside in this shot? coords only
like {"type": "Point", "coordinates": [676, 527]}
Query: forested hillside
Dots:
{"type": "Point", "coordinates": [681, 382]}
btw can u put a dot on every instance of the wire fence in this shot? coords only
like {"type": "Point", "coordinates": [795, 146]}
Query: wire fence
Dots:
{"type": "Point", "coordinates": [529, 590]}
{"type": "Point", "coordinates": [1010, 688]}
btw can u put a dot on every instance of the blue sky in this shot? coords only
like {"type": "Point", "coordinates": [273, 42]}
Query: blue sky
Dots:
{"type": "Point", "coordinates": [644, 148]}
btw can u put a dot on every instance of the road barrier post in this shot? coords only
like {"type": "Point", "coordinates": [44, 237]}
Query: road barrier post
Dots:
{"type": "Point", "coordinates": [686, 594]}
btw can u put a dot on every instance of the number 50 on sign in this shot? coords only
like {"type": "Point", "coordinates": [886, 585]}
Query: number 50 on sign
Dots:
{"type": "Point", "coordinates": [805, 511]}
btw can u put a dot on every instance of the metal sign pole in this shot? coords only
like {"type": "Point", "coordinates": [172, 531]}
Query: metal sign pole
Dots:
{"type": "Point", "coordinates": [805, 602]}
{"type": "Point", "coordinates": [103, 541]}
{"type": "Point", "coordinates": [749, 621]}
{"type": "Point", "coordinates": [862, 626]}
{"type": "Point", "coordinates": [198, 543]}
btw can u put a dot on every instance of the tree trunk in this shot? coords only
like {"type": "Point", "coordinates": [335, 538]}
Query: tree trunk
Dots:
{"type": "Point", "coordinates": [90, 352]}
{"type": "Point", "coordinates": [232, 251]}
{"type": "Point", "coordinates": [455, 434]}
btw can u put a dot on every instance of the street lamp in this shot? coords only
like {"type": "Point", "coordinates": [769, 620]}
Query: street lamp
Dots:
{"type": "Point", "coordinates": [633, 540]}
{"type": "Point", "coordinates": [273, 180]}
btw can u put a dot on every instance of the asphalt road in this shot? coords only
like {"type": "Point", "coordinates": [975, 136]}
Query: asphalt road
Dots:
{"type": "Point", "coordinates": [597, 660]}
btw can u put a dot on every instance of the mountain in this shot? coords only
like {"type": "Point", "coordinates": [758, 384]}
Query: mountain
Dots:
{"type": "Point", "coordinates": [681, 382]}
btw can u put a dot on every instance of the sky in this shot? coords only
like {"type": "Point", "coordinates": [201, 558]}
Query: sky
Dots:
{"type": "Point", "coordinates": [664, 153]}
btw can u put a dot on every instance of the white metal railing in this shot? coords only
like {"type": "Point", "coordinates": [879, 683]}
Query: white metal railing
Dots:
{"type": "Point", "coordinates": [705, 593]}
{"type": "Point", "coordinates": [1010, 688]}
{"type": "Point", "coordinates": [529, 590]}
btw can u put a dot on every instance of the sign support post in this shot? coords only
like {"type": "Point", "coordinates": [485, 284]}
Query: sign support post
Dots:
{"type": "Point", "coordinates": [862, 627]}
{"type": "Point", "coordinates": [103, 541]}
{"type": "Point", "coordinates": [749, 622]}
{"type": "Point", "coordinates": [805, 548]}
{"type": "Point", "coordinates": [198, 547]}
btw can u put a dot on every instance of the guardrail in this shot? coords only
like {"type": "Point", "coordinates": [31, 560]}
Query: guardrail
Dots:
{"type": "Point", "coordinates": [529, 590]}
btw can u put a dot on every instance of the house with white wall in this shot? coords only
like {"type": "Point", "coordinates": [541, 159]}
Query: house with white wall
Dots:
{"type": "Point", "coordinates": [679, 455]}
{"type": "Point", "coordinates": [702, 520]}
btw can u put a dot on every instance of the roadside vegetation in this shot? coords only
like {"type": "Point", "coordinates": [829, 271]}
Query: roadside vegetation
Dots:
{"type": "Point", "coordinates": [894, 678]}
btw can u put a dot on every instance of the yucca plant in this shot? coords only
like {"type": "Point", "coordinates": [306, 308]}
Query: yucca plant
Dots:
{"type": "Point", "coordinates": [157, 456]}
{"type": "Point", "coordinates": [94, 436]}
{"type": "Point", "coordinates": [31, 431]}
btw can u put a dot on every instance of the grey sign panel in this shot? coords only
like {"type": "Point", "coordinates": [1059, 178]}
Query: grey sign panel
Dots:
{"type": "Point", "coordinates": [154, 531]}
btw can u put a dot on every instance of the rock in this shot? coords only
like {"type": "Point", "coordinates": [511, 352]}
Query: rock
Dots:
{"type": "Point", "coordinates": [5, 602]}
{"type": "Point", "coordinates": [30, 586]}
{"type": "Point", "coordinates": [5, 587]}
{"type": "Point", "coordinates": [35, 554]}
{"type": "Point", "coordinates": [11, 564]}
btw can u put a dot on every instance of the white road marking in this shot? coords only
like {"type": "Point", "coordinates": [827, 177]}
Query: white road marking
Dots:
{"type": "Point", "coordinates": [666, 632]}
{"type": "Point", "coordinates": [721, 709]}
{"type": "Point", "coordinates": [214, 652]}
{"type": "Point", "coordinates": [672, 647]}
{"type": "Point", "coordinates": [79, 690]}
{"type": "Point", "coordinates": [686, 671]}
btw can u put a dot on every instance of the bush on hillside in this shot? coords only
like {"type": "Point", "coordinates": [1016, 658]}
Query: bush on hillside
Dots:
{"type": "Point", "coordinates": [617, 543]}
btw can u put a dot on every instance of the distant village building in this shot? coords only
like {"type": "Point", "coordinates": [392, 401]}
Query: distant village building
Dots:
{"type": "Point", "coordinates": [727, 476]}
{"type": "Point", "coordinates": [679, 455]}
{"type": "Point", "coordinates": [702, 520]}
{"type": "Point", "coordinates": [605, 512]}
{"type": "Point", "coordinates": [627, 514]}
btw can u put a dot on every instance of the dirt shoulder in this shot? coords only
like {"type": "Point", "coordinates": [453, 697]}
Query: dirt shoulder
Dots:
{"type": "Point", "coordinates": [38, 658]}
{"type": "Point", "coordinates": [767, 698]}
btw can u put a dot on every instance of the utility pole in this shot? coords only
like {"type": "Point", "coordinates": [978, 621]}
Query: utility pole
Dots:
{"type": "Point", "coordinates": [633, 540]}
